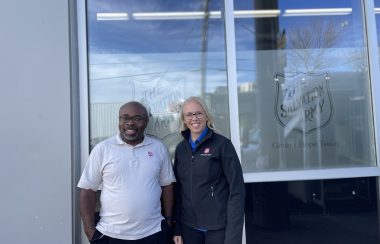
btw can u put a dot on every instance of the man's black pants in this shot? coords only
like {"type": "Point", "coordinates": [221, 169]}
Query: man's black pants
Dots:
{"type": "Point", "coordinates": [162, 237]}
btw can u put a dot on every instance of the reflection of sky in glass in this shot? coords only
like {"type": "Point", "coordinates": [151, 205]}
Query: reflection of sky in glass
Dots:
{"type": "Point", "coordinates": [149, 36]}
{"type": "Point", "coordinates": [352, 23]}
{"type": "Point", "coordinates": [157, 62]}
{"type": "Point", "coordinates": [161, 61]}
{"type": "Point", "coordinates": [122, 51]}
{"type": "Point", "coordinates": [349, 43]}
{"type": "Point", "coordinates": [126, 57]}
{"type": "Point", "coordinates": [125, 76]}
{"type": "Point", "coordinates": [305, 45]}
{"type": "Point", "coordinates": [377, 5]}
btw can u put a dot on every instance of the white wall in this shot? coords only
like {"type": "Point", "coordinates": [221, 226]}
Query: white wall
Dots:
{"type": "Point", "coordinates": [35, 131]}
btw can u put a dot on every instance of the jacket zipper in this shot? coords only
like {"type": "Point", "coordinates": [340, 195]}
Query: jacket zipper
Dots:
{"type": "Point", "coordinates": [191, 185]}
{"type": "Point", "coordinates": [212, 191]}
{"type": "Point", "coordinates": [191, 178]}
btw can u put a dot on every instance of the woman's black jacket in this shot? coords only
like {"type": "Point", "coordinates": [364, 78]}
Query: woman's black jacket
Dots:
{"type": "Point", "coordinates": [210, 187]}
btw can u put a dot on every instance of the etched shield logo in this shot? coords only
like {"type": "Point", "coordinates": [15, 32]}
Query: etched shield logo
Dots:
{"type": "Point", "coordinates": [303, 101]}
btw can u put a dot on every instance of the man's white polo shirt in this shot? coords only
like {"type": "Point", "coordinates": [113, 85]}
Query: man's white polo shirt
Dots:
{"type": "Point", "coordinates": [131, 180]}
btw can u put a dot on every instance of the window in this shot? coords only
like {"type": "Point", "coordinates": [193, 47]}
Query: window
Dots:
{"type": "Point", "coordinates": [304, 95]}
{"type": "Point", "coordinates": [303, 85]}
{"type": "Point", "coordinates": [157, 53]}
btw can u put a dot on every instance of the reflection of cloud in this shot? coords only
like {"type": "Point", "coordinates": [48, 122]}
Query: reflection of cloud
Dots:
{"type": "Point", "coordinates": [121, 77]}
{"type": "Point", "coordinates": [123, 53]}
{"type": "Point", "coordinates": [353, 59]}
{"type": "Point", "coordinates": [332, 61]}
{"type": "Point", "coordinates": [150, 36]}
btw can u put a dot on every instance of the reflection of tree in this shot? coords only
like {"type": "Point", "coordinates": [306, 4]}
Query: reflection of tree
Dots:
{"type": "Point", "coordinates": [308, 46]}
{"type": "Point", "coordinates": [356, 59]}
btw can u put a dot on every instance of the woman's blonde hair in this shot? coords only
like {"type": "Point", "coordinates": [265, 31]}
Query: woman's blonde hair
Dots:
{"type": "Point", "coordinates": [210, 119]}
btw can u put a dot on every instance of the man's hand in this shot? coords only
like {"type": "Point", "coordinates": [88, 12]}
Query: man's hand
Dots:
{"type": "Point", "coordinates": [177, 239]}
{"type": "Point", "coordinates": [89, 232]}
{"type": "Point", "coordinates": [87, 201]}
{"type": "Point", "coordinates": [167, 197]}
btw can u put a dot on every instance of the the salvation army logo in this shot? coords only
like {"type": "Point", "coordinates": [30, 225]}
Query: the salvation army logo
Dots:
{"type": "Point", "coordinates": [206, 152]}
{"type": "Point", "coordinates": [303, 101]}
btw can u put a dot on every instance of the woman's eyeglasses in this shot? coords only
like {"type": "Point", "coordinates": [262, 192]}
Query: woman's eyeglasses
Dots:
{"type": "Point", "coordinates": [189, 116]}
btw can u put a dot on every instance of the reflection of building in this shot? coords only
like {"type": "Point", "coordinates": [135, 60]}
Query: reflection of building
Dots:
{"type": "Point", "coordinates": [108, 114]}
{"type": "Point", "coordinates": [247, 87]}
{"type": "Point", "coordinates": [164, 126]}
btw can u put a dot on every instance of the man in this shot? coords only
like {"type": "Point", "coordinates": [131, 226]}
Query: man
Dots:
{"type": "Point", "coordinates": [134, 172]}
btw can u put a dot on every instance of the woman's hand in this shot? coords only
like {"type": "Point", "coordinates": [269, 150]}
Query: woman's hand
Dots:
{"type": "Point", "coordinates": [177, 239]}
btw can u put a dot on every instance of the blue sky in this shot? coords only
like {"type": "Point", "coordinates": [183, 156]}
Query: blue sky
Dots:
{"type": "Point", "coordinates": [122, 51]}
{"type": "Point", "coordinates": [137, 36]}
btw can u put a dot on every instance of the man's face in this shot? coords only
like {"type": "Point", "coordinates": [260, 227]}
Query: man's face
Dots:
{"type": "Point", "coordinates": [132, 123]}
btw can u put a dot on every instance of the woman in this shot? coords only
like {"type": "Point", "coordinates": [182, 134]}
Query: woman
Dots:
{"type": "Point", "coordinates": [210, 187]}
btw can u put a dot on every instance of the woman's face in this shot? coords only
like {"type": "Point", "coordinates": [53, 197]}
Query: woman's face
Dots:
{"type": "Point", "coordinates": [194, 118]}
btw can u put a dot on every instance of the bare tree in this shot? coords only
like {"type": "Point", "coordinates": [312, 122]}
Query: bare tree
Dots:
{"type": "Point", "coordinates": [308, 47]}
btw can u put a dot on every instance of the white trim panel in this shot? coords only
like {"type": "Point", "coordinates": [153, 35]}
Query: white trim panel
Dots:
{"type": "Point", "coordinates": [316, 174]}
{"type": "Point", "coordinates": [83, 81]}
{"type": "Point", "coordinates": [83, 89]}
{"type": "Point", "coordinates": [231, 74]}
{"type": "Point", "coordinates": [374, 66]}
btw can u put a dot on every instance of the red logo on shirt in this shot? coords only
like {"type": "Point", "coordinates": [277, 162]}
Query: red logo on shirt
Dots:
{"type": "Point", "coordinates": [206, 151]}
{"type": "Point", "coordinates": [150, 154]}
